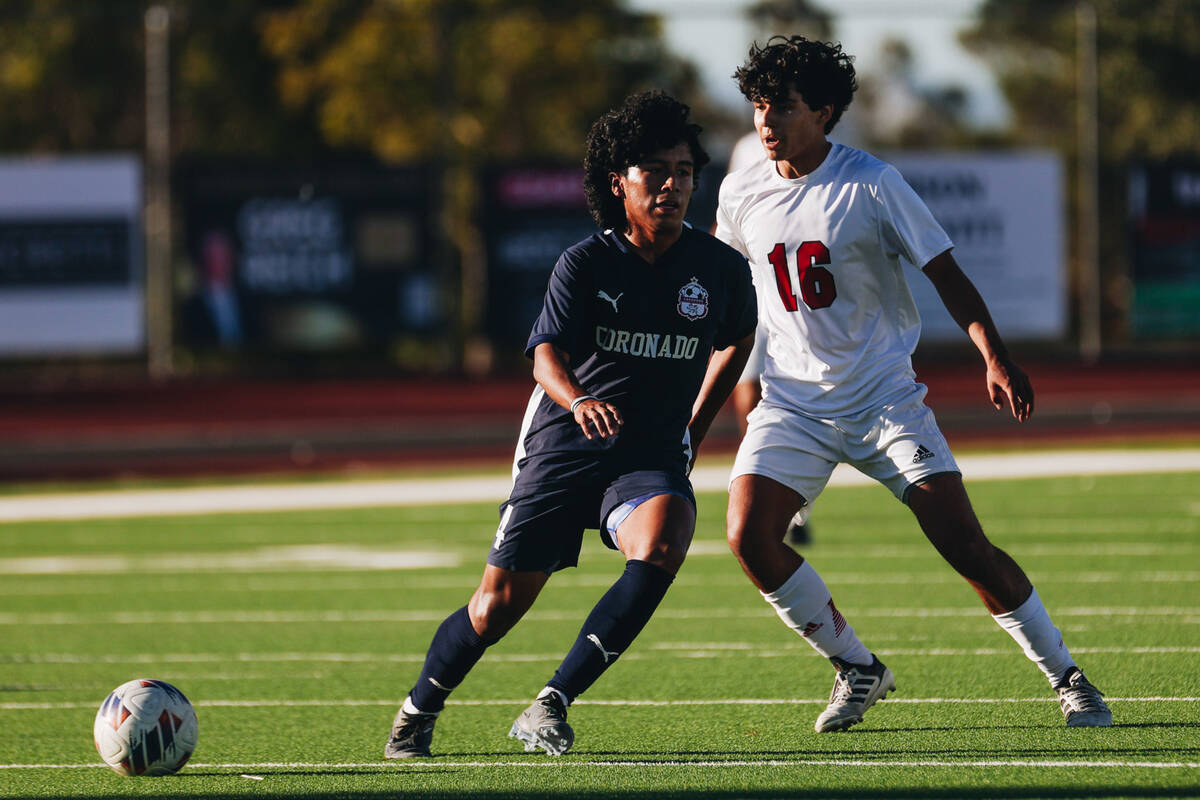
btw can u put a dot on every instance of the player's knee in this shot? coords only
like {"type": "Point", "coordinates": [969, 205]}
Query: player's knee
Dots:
{"type": "Point", "coordinates": [493, 614]}
{"type": "Point", "coordinates": [972, 556]}
{"type": "Point", "coordinates": [744, 531]}
{"type": "Point", "coordinates": [666, 555]}
{"type": "Point", "coordinates": [735, 532]}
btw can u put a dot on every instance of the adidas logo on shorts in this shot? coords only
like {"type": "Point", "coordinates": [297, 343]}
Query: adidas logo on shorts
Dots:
{"type": "Point", "coordinates": [923, 453]}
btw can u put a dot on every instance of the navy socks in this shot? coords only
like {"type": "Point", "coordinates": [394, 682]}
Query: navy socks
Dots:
{"type": "Point", "coordinates": [454, 650]}
{"type": "Point", "coordinates": [612, 626]}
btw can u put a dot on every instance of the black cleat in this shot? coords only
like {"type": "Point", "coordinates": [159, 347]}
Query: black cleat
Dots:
{"type": "Point", "coordinates": [798, 532]}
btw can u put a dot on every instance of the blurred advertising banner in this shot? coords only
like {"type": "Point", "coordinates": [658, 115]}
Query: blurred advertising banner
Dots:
{"type": "Point", "coordinates": [1004, 213]}
{"type": "Point", "coordinates": [333, 257]}
{"type": "Point", "coordinates": [71, 261]}
{"type": "Point", "coordinates": [1164, 205]}
{"type": "Point", "coordinates": [531, 214]}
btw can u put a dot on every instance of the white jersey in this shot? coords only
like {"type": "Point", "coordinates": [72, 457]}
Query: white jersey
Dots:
{"type": "Point", "coordinates": [825, 252]}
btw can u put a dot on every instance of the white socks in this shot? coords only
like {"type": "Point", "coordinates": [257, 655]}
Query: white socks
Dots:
{"type": "Point", "coordinates": [409, 708]}
{"type": "Point", "coordinates": [805, 606]}
{"type": "Point", "coordinates": [1030, 626]}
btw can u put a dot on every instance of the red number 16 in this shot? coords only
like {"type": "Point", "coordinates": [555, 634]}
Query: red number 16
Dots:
{"type": "Point", "coordinates": [816, 283]}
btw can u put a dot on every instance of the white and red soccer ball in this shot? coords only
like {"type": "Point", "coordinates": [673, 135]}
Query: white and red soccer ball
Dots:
{"type": "Point", "coordinates": [146, 728]}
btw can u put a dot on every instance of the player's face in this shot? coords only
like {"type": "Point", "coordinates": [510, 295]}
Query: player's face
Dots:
{"type": "Point", "coordinates": [788, 129]}
{"type": "Point", "coordinates": [656, 190]}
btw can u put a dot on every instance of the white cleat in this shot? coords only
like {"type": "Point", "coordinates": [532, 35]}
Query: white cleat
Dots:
{"type": "Point", "coordinates": [544, 725]}
{"type": "Point", "coordinates": [1082, 704]}
{"type": "Point", "coordinates": [855, 689]}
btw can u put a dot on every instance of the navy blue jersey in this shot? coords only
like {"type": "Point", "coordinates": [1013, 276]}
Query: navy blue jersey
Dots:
{"type": "Point", "coordinates": [639, 336]}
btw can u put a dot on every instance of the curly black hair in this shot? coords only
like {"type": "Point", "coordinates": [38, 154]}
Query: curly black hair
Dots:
{"type": "Point", "coordinates": [623, 136]}
{"type": "Point", "coordinates": [819, 71]}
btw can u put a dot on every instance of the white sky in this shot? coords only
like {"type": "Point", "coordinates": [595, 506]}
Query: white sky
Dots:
{"type": "Point", "coordinates": [714, 35]}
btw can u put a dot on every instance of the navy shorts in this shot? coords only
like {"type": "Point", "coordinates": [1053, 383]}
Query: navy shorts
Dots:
{"type": "Point", "coordinates": [542, 522]}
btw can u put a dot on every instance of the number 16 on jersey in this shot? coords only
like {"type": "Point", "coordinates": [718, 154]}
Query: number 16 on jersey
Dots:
{"type": "Point", "coordinates": [816, 282]}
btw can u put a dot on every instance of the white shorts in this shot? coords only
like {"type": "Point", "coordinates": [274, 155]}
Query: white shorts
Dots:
{"type": "Point", "coordinates": [898, 444]}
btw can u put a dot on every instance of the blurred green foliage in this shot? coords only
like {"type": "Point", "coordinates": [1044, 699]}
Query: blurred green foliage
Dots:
{"type": "Point", "coordinates": [1148, 57]}
{"type": "Point", "coordinates": [404, 80]}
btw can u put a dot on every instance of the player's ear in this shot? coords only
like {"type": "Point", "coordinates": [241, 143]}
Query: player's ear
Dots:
{"type": "Point", "coordinates": [618, 188]}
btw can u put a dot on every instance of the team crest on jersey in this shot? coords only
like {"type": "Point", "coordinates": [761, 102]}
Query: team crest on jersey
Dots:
{"type": "Point", "coordinates": [693, 300]}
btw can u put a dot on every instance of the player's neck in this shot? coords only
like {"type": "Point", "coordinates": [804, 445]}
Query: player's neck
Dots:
{"type": "Point", "coordinates": [650, 245]}
{"type": "Point", "coordinates": [804, 163]}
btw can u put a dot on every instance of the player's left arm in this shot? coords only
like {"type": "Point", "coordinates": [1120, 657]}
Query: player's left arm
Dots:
{"type": "Point", "coordinates": [1007, 384]}
{"type": "Point", "coordinates": [724, 369]}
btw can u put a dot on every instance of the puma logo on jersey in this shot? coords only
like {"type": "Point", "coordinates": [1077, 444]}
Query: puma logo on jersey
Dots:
{"type": "Point", "coordinates": [603, 295]}
{"type": "Point", "coordinates": [594, 639]}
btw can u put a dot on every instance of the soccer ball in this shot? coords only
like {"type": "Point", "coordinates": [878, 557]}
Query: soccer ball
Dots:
{"type": "Point", "coordinates": [146, 727]}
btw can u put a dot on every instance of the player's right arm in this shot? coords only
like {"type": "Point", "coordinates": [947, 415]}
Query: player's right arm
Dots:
{"type": "Point", "coordinates": [1007, 384]}
{"type": "Point", "coordinates": [562, 326]}
{"type": "Point", "coordinates": [724, 371]}
{"type": "Point", "coordinates": [551, 369]}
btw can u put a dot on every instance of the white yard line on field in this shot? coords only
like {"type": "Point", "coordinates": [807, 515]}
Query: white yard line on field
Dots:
{"type": "Point", "coordinates": [686, 649]}
{"type": "Point", "coordinates": [291, 558]}
{"type": "Point", "coordinates": [328, 558]}
{"type": "Point", "coordinates": [257, 616]}
{"type": "Point", "coordinates": [311, 584]}
{"type": "Point", "coordinates": [752, 701]}
{"type": "Point", "coordinates": [490, 488]}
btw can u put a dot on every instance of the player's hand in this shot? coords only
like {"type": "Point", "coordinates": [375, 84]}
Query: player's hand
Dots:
{"type": "Point", "coordinates": [598, 419]}
{"type": "Point", "coordinates": [1008, 385]}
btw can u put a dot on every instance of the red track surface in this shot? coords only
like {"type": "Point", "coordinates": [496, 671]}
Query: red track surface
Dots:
{"type": "Point", "coordinates": [259, 426]}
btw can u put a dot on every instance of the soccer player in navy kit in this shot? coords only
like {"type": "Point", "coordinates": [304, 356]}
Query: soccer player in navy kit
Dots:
{"type": "Point", "coordinates": [626, 389]}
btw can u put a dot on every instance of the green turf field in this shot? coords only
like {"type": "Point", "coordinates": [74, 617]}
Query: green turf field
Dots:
{"type": "Point", "coordinates": [297, 634]}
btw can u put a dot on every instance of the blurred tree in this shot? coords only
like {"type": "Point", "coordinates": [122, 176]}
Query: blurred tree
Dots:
{"type": "Point", "coordinates": [403, 79]}
{"type": "Point", "coordinates": [466, 79]}
{"type": "Point", "coordinates": [896, 111]}
{"type": "Point", "coordinates": [1146, 49]}
{"type": "Point", "coordinates": [70, 81]}
{"type": "Point", "coordinates": [72, 78]}
{"type": "Point", "coordinates": [790, 17]}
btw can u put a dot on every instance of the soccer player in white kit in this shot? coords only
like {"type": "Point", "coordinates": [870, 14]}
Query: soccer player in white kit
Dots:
{"type": "Point", "coordinates": [748, 391]}
{"type": "Point", "coordinates": [824, 227]}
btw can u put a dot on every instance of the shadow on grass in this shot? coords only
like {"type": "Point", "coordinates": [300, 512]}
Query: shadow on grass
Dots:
{"type": "Point", "coordinates": [966, 754]}
{"type": "Point", "coordinates": [828, 793]}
